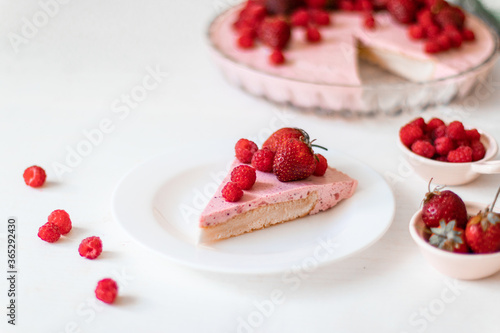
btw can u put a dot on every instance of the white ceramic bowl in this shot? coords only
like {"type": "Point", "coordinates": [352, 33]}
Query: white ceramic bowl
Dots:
{"type": "Point", "coordinates": [458, 266]}
{"type": "Point", "coordinates": [445, 173]}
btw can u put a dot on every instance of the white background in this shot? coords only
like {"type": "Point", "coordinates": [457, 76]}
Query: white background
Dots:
{"type": "Point", "coordinates": [64, 80]}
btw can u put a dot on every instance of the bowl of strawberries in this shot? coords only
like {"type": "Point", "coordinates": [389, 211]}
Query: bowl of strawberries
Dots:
{"type": "Point", "coordinates": [450, 153]}
{"type": "Point", "coordinates": [459, 239]}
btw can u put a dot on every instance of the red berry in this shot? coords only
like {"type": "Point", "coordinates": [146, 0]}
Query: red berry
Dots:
{"type": "Point", "coordinates": [478, 150]}
{"type": "Point", "coordinates": [404, 11]}
{"type": "Point", "coordinates": [483, 232]}
{"type": "Point", "coordinates": [432, 31]}
{"type": "Point", "coordinates": [416, 32]}
{"type": "Point", "coordinates": [448, 237]}
{"type": "Point", "coordinates": [420, 122]}
{"type": "Point", "coordinates": [315, 3]}
{"type": "Point", "coordinates": [319, 17]}
{"type": "Point", "coordinates": [244, 176]}
{"type": "Point", "coordinates": [434, 123]}
{"type": "Point", "coordinates": [276, 57]}
{"type": "Point", "coordinates": [263, 160]}
{"type": "Point", "coordinates": [424, 17]}
{"type": "Point", "coordinates": [90, 247]}
{"type": "Point", "coordinates": [245, 42]}
{"type": "Point", "coordinates": [423, 148]}
{"type": "Point", "coordinates": [410, 133]}
{"type": "Point", "coordinates": [49, 232]}
{"type": "Point", "coordinates": [232, 192]}
{"type": "Point", "coordinates": [366, 5]}
{"type": "Point", "coordinates": [61, 219]}
{"type": "Point", "coordinates": [438, 132]}
{"type": "Point", "coordinates": [106, 290]}
{"type": "Point", "coordinates": [250, 16]}
{"type": "Point", "coordinates": [34, 176]}
{"type": "Point", "coordinates": [294, 160]}
{"type": "Point", "coordinates": [472, 134]}
{"type": "Point", "coordinates": [369, 21]}
{"type": "Point", "coordinates": [442, 159]}
{"type": "Point", "coordinates": [281, 7]}
{"type": "Point", "coordinates": [444, 42]}
{"type": "Point", "coordinates": [443, 206]}
{"type": "Point", "coordinates": [462, 154]}
{"type": "Point", "coordinates": [346, 5]}
{"type": "Point", "coordinates": [455, 38]}
{"type": "Point", "coordinates": [468, 35]}
{"type": "Point", "coordinates": [462, 142]}
{"type": "Point", "coordinates": [300, 18]}
{"type": "Point", "coordinates": [432, 47]}
{"type": "Point", "coordinates": [274, 32]}
{"type": "Point", "coordinates": [450, 15]}
{"type": "Point", "coordinates": [244, 150]}
{"type": "Point", "coordinates": [444, 145]}
{"type": "Point", "coordinates": [280, 136]}
{"type": "Point", "coordinates": [248, 31]}
{"type": "Point", "coordinates": [313, 35]}
{"type": "Point", "coordinates": [456, 131]}
{"type": "Point", "coordinates": [321, 165]}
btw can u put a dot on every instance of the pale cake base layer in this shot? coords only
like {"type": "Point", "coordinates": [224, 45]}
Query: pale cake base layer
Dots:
{"type": "Point", "coordinates": [259, 218]}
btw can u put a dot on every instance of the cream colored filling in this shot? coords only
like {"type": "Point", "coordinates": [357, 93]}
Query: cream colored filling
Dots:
{"type": "Point", "coordinates": [259, 218]}
{"type": "Point", "coordinates": [407, 67]}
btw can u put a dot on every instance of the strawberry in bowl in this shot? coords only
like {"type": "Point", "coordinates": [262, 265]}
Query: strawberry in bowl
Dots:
{"type": "Point", "coordinates": [467, 252]}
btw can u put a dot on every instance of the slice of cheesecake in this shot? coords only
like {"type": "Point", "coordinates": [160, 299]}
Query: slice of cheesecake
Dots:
{"type": "Point", "coordinates": [271, 202]}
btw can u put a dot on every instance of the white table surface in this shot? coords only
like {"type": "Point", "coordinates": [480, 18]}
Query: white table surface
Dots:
{"type": "Point", "coordinates": [70, 74]}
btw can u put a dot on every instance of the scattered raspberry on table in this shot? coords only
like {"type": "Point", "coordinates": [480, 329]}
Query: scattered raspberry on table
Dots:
{"type": "Point", "coordinates": [49, 232]}
{"type": "Point", "coordinates": [90, 247]}
{"type": "Point", "coordinates": [62, 220]}
{"type": "Point", "coordinates": [106, 290]}
{"type": "Point", "coordinates": [34, 176]}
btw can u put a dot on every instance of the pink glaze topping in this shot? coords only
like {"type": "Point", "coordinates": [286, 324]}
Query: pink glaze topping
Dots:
{"type": "Point", "coordinates": [335, 59]}
{"type": "Point", "coordinates": [331, 188]}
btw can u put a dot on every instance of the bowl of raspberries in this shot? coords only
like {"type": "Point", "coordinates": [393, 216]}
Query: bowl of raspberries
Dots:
{"type": "Point", "coordinates": [450, 153]}
{"type": "Point", "coordinates": [459, 239]}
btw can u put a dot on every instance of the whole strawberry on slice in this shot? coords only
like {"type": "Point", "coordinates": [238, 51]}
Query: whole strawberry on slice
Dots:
{"type": "Point", "coordinates": [483, 231]}
{"type": "Point", "coordinates": [294, 160]}
{"type": "Point", "coordinates": [274, 32]}
{"type": "Point", "coordinates": [282, 135]}
{"type": "Point", "coordinates": [449, 238]}
{"type": "Point", "coordinates": [443, 205]}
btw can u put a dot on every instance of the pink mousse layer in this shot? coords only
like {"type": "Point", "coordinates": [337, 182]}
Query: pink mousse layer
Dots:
{"type": "Point", "coordinates": [331, 188]}
{"type": "Point", "coordinates": [334, 59]}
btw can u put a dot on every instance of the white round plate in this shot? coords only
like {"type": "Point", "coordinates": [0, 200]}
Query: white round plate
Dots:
{"type": "Point", "coordinates": [158, 203]}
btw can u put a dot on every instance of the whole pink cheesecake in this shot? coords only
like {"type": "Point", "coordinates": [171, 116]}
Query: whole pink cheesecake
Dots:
{"type": "Point", "coordinates": [271, 202]}
{"type": "Point", "coordinates": [329, 74]}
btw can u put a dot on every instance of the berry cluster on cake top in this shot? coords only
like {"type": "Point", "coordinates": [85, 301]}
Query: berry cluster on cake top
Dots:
{"type": "Point", "coordinates": [441, 25]}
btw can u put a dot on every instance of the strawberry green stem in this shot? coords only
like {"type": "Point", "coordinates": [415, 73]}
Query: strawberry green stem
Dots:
{"type": "Point", "coordinates": [495, 201]}
{"type": "Point", "coordinates": [318, 146]}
